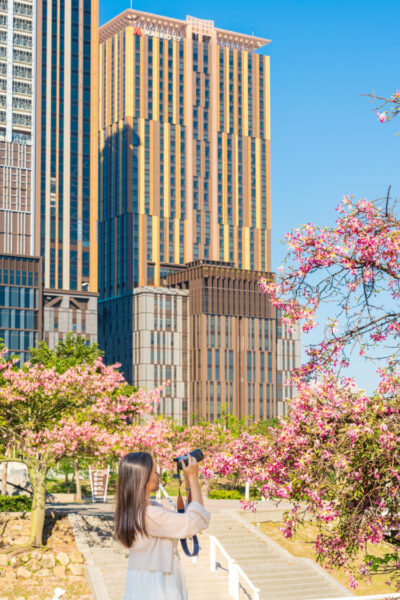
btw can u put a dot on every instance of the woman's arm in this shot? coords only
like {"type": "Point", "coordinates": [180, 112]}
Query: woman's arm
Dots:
{"type": "Point", "coordinates": [191, 473]}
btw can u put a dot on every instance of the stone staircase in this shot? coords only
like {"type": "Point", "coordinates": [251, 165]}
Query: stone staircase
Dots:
{"type": "Point", "coordinates": [277, 574]}
{"type": "Point", "coordinates": [202, 584]}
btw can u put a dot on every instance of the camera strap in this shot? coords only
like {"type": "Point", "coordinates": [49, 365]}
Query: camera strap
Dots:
{"type": "Point", "coordinates": [180, 505]}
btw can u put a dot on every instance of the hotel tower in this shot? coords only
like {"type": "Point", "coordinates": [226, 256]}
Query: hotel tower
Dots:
{"type": "Point", "coordinates": [184, 216]}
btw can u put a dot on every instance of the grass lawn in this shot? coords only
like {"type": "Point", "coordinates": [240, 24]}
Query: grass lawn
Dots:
{"type": "Point", "coordinates": [301, 544]}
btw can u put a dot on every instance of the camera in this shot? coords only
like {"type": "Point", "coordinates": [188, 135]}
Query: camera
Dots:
{"type": "Point", "coordinates": [196, 453]}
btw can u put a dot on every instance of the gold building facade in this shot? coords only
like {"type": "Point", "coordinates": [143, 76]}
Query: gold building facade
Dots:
{"type": "Point", "coordinates": [184, 148]}
{"type": "Point", "coordinates": [184, 206]}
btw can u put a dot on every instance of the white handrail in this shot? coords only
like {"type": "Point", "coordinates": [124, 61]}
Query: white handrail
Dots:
{"type": "Point", "coordinates": [168, 497]}
{"type": "Point", "coordinates": [376, 597]}
{"type": "Point", "coordinates": [234, 571]}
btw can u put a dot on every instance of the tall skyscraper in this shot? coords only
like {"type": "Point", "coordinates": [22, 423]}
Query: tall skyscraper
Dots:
{"type": "Point", "coordinates": [184, 148]}
{"type": "Point", "coordinates": [66, 164]}
{"type": "Point", "coordinates": [17, 50]}
{"type": "Point", "coordinates": [184, 201]}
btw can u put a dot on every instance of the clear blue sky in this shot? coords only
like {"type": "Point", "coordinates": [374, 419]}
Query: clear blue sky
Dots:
{"type": "Point", "coordinates": [325, 138]}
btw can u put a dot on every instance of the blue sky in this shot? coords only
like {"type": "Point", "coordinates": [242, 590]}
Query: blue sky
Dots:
{"type": "Point", "coordinates": [325, 138]}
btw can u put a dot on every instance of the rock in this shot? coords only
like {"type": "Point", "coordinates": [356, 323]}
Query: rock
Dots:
{"type": "Point", "coordinates": [34, 565]}
{"type": "Point", "coordinates": [76, 569]}
{"type": "Point", "coordinates": [43, 573]}
{"type": "Point", "coordinates": [3, 561]}
{"type": "Point", "coordinates": [76, 557]}
{"type": "Point", "coordinates": [63, 558]}
{"type": "Point", "coordinates": [48, 560]}
{"type": "Point", "coordinates": [25, 557]}
{"type": "Point", "coordinates": [37, 555]}
{"type": "Point", "coordinates": [59, 571]}
{"type": "Point", "coordinates": [24, 573]}
{"type": "Point", "coordinates": [11, 574]}
{"type": "Point", "coordinates": [75, 578]}
{"type": "Point", "coordinates": [22, 540]}
{"type": "Point", "coordinates": [15, 561]}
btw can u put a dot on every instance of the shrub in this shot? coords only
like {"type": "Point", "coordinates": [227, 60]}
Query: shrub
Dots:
{"type": "Point", "coordinates": [225, 495]}
{"type": "Point", "coordinates": [15, 503]}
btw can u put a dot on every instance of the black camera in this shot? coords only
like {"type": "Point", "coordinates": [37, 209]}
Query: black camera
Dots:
{"type": "Point", "coordinates": [196, 453]}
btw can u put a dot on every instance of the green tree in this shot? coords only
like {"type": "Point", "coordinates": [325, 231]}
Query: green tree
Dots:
{"type": "Point", "coordinates": [72, 351]}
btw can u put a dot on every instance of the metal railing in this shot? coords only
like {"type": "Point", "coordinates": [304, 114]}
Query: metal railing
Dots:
{"type": "Point", "coordinates": [235, 573]}
{"type": "Point", "coordinates": [376, 597]}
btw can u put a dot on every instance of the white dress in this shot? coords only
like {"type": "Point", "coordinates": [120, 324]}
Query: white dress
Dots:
{"type": "Point", "coordinates": [154, 569]}
{"type": "Point", "coordinates": [156, 585]}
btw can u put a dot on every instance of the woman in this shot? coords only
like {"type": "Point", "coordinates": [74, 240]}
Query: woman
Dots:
{"type": "Point", "coordinates": [151, 532]}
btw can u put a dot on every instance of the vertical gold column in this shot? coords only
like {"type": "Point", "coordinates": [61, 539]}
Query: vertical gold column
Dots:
{"type": "Point", "coordinates": [156, 79]}
{"type": "Point", "coordinates": [257, 224]}
{"type": "Point", "coordinates": [175, 71]}
{"type": "Point", "coordinates": [236, 177]}
{"type": "Point", "coordinates": [188, 250]}
{"type": "Point", "coordinates": [235, 91]}
{"type": "Point", "coordinates": [213, 136]}
{"type": "Point", "coordinates": [167, 170]}
{"type": "Point", "coordinates": [226, 87]}
{"type": "Point", "coordinates": [267, 109]}
{"type": "Point", "coordinates": [129, 72]}
{"type": "Point", "coordinates": [245, 94]}
{"type": "Point", "coordinates": [256, 108]}
{"type": "Point", "coordinates": [142, 76]}
{"type": "Point", "coordinates": [115, 75]}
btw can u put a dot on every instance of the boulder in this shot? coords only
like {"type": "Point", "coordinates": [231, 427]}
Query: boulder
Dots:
{"type": "Point", "coordinates": [76, 569]}
{"type": "Point", "coordinates": [59, 571]}
{"type": "Point", "coordinates": [24, 573]}
{"type": "Point", "coordinates": [76, 557]}
{"type": "Point", "coordinates": [43, 573]}
{"type": "Point", "coordinates": [48, 560]}
{"type": "Point", "coordinates": [34, 565]}
{"type": "Point", "coordinates": [62, 558]}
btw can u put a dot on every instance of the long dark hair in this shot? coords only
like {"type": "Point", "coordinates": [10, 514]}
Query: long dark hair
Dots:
{"type": "Point", "coordinates": [134, 473]}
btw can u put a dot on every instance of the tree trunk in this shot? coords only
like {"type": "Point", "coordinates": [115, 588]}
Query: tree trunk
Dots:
{"type": "Point", "coordinates": [38, 476]}
{"type": "Point", "coordinates": [78, 491]}
{"type": "Point", "coordinates": [4, 479]}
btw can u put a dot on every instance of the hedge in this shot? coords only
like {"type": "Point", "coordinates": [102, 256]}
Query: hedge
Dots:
{"type": "Point", "coordinates": [225, 495]}
{"type": "Point", "coordinates": [15, 503]}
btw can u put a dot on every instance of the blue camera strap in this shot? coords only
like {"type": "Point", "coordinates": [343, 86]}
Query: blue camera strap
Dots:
{"type": "Point", "coordinates": [181, 509]}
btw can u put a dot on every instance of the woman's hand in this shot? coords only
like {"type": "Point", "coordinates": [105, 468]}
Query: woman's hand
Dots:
{"type": "Point", "coordinates": [192, 470]}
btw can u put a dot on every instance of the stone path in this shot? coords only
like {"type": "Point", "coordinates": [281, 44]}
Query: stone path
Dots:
{"type": "Point", "coordinates": [277, 574]}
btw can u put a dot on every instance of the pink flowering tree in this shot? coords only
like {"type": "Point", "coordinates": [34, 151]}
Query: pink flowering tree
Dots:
{"type": "Point", "coordinates": [337, 459]}
{"type": "Point", "coordinates": [84, 411]}
{"type": "Point", "coordinates": [336, 455]}
{"type": "Point", "coordinates": [390, 105]}
{"type": "Point", "coordinates": [354, 266]}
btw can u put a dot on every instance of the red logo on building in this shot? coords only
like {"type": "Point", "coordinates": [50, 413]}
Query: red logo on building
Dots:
{"type": "Point", "coordinates": [138, 31]}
